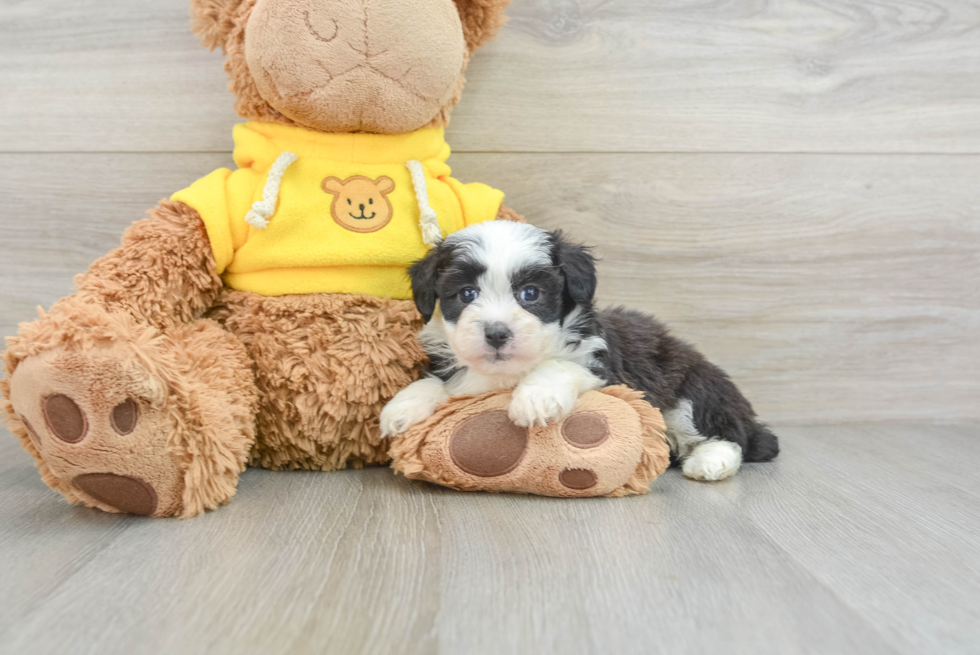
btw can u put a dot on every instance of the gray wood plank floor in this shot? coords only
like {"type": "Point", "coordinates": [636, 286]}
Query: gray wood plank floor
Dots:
{"type": "Point", "coordinates": [859, 539]}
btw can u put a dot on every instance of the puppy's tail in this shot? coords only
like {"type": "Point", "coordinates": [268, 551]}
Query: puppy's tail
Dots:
{"type": "Point", "coordinates": [763, 446]}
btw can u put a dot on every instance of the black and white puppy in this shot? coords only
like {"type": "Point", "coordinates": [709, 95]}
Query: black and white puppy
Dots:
{"type": "Point", "coordinates": [509, 305]}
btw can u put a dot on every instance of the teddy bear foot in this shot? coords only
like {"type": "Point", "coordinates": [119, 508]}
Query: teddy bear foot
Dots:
{"type": "Point", "coordinates": [130, 426]}
{"type": "Point", "coordinates": [612, 444]}
{"type": "Point", "coordinates": [100, 424]}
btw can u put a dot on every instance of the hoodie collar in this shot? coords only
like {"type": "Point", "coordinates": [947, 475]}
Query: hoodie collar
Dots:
{"type": "Point", "coordinates": [258, 145]}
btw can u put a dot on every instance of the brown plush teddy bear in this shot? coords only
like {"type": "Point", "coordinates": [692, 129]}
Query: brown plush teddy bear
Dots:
{"type": "Point", "coordinates": [262, 316]}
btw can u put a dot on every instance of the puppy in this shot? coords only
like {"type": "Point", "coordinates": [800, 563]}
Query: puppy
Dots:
{"type": "Point", "coordinates": [508, 305]}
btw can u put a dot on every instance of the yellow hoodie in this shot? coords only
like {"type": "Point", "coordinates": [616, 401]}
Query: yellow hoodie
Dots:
{"type": "Point", "coordinates": [308, 212]}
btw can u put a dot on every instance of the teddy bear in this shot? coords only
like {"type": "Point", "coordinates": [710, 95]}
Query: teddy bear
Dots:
{"type": "Point", "coordinates": [262, 316]}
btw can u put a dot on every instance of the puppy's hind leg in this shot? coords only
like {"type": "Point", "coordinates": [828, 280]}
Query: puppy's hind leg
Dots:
{"type": "Point", "coordinates": [702, 458]}
{"type": "Point", "coordinates": [720, 412]}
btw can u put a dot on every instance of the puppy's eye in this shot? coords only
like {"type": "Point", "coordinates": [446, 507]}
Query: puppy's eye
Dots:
{"type": "Point", "coordinates": [468, 295]}
{"type": "Point", "coordinates": [349, 202]}
{"type": "Point", "coordinates": [530, 294]}
{"type": "Point", "coordinates": [370, 201]}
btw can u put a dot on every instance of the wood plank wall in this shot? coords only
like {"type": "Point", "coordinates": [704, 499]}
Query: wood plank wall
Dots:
{"type": "Point", "coordinates": [794, 185]}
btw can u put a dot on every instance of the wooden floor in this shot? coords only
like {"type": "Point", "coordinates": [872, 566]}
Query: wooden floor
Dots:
{"type": "Point", "coordinates": [859, 539]}
{"type": "Point", "coordinates": [794, 185]}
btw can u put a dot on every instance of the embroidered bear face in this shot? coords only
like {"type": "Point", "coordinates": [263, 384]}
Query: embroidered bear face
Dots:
{"type": "Point", "coordinates": [360, 204]}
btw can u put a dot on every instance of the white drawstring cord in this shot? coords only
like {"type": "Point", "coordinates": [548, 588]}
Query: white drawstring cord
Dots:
{"type": "Point", "coordinates": [263, 209]}
{"type": "Point", "coordinates": [428, 221]}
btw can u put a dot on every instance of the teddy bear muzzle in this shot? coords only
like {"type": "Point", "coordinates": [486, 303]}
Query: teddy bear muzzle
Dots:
{"type": "Point", "coordinates": [366, 70]}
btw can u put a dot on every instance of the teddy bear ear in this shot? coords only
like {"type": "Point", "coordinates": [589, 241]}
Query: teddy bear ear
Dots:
{"type": "Point", "coordinates": [333, 185]}
{"type": "Point", "coordinates": [481, 19]}
{"type": "Point", "coordinates": [213, 21]}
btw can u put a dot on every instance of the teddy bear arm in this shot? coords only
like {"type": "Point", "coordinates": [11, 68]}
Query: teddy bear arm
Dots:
{"type": "Point", "coordinates": [163, 273]}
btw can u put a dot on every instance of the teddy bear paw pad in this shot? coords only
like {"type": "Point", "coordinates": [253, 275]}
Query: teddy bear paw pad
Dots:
{"type": "Point", "coordinates": [488, 445]}
{"type": "Point", "coordinates": [585, 430]}
{"type": "Point", "coordinates": [578, 479]}
{"type": "Point", "coordinates": [127, 494]}
{"type": "Point", "coordinates": [64, 418]}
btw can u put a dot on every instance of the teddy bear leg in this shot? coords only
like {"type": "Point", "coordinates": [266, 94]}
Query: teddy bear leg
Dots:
{"type": "Point", "coordinates": [125, 418]}
{"type": "Point", "coordinates": [611, 444]}
{"type": "Point", "coordinates": [325, 365]}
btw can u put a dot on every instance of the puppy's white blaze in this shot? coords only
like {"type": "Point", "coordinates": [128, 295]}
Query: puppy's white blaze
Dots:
{"type": "Point", "coordinates": [713, 460]}
{"type": "Point", "coordinates": [505, 247]}
{"type": "Point", "coordinates": [528, 345]}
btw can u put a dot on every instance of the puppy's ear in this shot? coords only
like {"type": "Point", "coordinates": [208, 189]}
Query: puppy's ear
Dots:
{"type": "Point", "coordinates": [213, 21]}
{"type": "Point", "coordinates": [577, 264]}
{"type": "Point", "coordinates": [481, 20]}
{"type": "Point", "coordinates": [425, 276]}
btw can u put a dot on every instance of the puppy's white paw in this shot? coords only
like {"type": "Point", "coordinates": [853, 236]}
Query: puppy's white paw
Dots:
{"type": "Point", "coordinates": [534, 404]}
{"type": "Point", "coordinates": [713, 460]}
{"type": "Point", "coordinates": [411, 405]}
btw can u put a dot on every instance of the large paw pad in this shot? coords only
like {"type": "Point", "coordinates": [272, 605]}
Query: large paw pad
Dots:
{"type": "Point", "coordinates": [127, 494]}
{"type": "Point", "coordinates": [488, 445]}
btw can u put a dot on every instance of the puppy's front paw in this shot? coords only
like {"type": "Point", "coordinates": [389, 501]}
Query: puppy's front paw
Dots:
{"type": "Point", "coordinates": [534, 404]}
{"type": "Point", "coordinates": [412, 405]}
{"type": "Point", "coordinates": [399, 416]}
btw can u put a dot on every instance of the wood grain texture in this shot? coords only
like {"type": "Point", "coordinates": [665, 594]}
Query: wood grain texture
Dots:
{"type": "Point", "coordinates": [850, 543]}
{"type": "Point", "coordinates": [565, 75]}
{"type": "Point", "coordinates": [820, 315]}
{"type": "Point", "coordinates": [836, 281]}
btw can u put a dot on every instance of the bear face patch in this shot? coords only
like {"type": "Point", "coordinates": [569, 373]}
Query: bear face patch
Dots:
{"type": "Point", "coordinates": [360, 204]}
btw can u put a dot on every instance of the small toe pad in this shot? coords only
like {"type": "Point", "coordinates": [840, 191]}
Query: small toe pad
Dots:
{"type": "Point", "coordinates": [585, 430]}
{"type": "Point", "coordinates": [65, 418]}
{"type": "Point", "coordinates": [578, 479]}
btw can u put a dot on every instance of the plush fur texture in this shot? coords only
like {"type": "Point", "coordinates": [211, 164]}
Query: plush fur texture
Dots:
{"type": "Point", "coordinates": [163, 272]}
{"type": "Point", "coordinates": [213, 21]}
{"type": "Point", "coordinates": [417, 87]}
{"type": "Point", "coordinates": [511, 306]}
{"type": "Point", "coordinates": [633, 453]}
{"type": "Point", "coordinates": [325, 365]}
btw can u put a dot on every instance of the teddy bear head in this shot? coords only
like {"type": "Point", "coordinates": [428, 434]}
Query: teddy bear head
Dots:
{"type": "Point", "coordinates": [377, 66]}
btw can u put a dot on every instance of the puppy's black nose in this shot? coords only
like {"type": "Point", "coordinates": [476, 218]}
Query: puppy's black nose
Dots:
{"type": "Point", "coordinates": [362, 208]}
{"type": "Point", "coordinates": [498, 334]}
